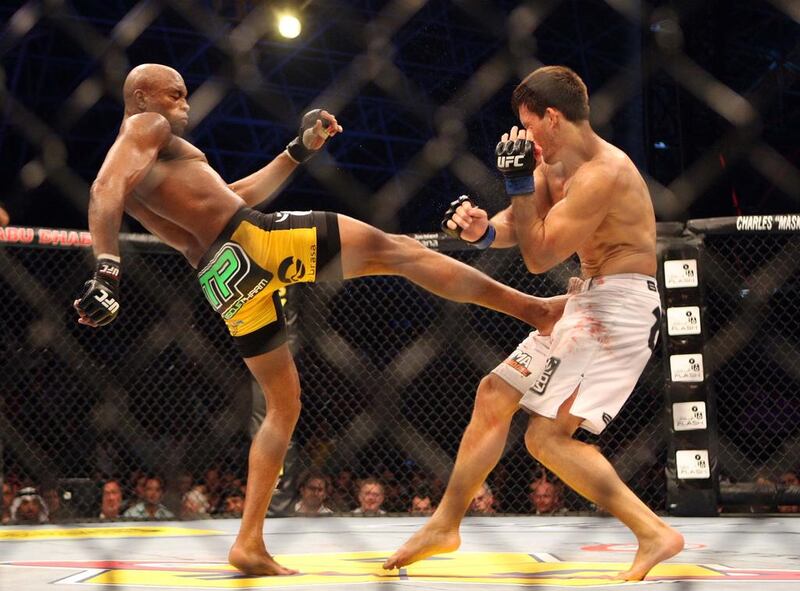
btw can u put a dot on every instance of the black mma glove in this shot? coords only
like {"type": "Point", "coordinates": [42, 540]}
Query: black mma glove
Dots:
{"type": "Point", "coordinates": [516, 161]}
{"type": "Point", "coordinates": [296, 148]}
{"type": "Point", "coordinates": [100, 298]}
{"type": "Point", "coordinates": [481, 243]}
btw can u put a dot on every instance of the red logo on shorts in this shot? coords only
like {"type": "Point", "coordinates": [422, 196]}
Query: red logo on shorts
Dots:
{"type": "Point", "coordinates": [520, 362]}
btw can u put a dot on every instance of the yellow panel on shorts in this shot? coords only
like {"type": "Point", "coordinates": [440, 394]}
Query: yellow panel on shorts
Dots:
{"type": "Point", "coordinates": [21, 535]}
{"type": "Point", "coordinates": [256, 313]}
{"type": "Point", "coordinates": [270, 248]}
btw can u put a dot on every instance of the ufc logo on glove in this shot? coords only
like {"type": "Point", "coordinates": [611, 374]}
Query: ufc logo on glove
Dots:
{"type": "Point", "coordinates": [510, 161]}
{"type": "Point", "coordinates": [108, 302]}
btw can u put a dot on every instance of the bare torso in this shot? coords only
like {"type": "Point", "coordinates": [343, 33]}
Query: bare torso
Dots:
{"type": "Point", "coordinates": [183, 201]}
{"type": "Point", "coordinates": [625, 241]}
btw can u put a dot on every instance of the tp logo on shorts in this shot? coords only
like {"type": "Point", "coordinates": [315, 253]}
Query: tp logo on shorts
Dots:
{"type": "Point", "coordinates": [220, 279]}
{"type": "Point", "coordinates": [550, 367]}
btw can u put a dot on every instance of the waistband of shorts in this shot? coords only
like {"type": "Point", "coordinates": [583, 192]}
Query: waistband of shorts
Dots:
{"type": "Point", "coordinates": [224, 236]}
{"type": "Point", "coordinates": [626, 281]}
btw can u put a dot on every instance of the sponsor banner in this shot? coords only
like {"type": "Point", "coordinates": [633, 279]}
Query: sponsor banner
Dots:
{"type": "Point", "coordinates": [686, 368]}
{"type": "Point", "coordinates": [683, 320]}
{"type": "Point", "coordinates": [38, 534]}
{"type": "Point", "coordinates": [766, 223]}
{"type": "Point", "coordinates": [44, 236]}
{"type": "Point", "coordinates": [692, 464]}
{"type": "Point", "coordinates": [688, 416]}
{"type": "Point", "coordinates": [680, 273]}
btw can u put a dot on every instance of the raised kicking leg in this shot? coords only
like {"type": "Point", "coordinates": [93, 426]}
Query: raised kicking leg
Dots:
{"type": "Point", "coordinates": [276, 373]}
{"type": "Point", "coordinates": [480, 450]}
{"type": "Point", "coordinates": [369, 251]}
{"type": "Point", "coordinates": [584, 468]}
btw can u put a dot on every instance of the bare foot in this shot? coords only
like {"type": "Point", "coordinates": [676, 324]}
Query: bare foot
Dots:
{"type": "Point", "coordinates": [256, 561]}
{"type": "Point", "coordinates": [426, 542]}
{"type": "Point", "coordinates": [661, 547]}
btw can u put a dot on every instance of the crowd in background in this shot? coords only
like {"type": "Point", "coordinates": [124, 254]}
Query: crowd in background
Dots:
{"type": "Point", "coordinates": [218, 493]}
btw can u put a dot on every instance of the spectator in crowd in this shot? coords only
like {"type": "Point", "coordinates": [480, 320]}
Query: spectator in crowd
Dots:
{"type": "Point", "coordinates": [195, 504]}
{"type": "Point", "coordinates": [8, 498]}
{"type": "Point", "coordinates": [213, 486]}
{"type": "Point", "coordinates": [789, 479]}
{"type": "Point", "coordinates": [176, 491]}
{"type": "Point", "coordinates": [28, 507]}
{"type": "Point", "coordinates": [422, 503]}
{"type": "Point", "coordinates": [150, 507]}
{"type": "Point", "coordinates": [546, 497]}
{"type": "Point", "coordinates": [395, 498]}
{"type": "Point", "coordinates": [763, 484]}
{"type": "Point", "coordinates": [483, 503]}
{"type": "Point", "coordinates": [52, 499]}
{"type": "Point", "coordinates": [313, 493]}
{"type": "Point", "coordinates": [370, 498]}
{"type": "Point", "coordinates": [139, 482]}
{"type": "Point", "coordinates": [233, 502]}
{"type": "Point", "coordinates": [5, 219]}
{"type": "Point", "coordinates": [112, 501]}
{"type": "Point", "coordinates": [343, 497]}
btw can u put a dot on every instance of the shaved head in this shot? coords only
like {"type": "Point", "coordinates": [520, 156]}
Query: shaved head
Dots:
{"type": "Point", "coordinates": [148, 78]}
{"type": "Point", "coordinates": [156, 88]}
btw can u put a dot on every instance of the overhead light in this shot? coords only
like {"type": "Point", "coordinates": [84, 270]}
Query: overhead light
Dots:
{"type": "Point", "coordinates": [289, 26]}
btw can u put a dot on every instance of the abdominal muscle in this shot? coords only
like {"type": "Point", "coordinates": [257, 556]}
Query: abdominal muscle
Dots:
{"type": "Point", "coordinates": [185, 203]}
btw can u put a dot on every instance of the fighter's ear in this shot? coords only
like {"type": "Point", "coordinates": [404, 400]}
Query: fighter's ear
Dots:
{"type": "Point", "coordinates": [140, 99]}
{"type": "Point", "coordinates": [554, 116]}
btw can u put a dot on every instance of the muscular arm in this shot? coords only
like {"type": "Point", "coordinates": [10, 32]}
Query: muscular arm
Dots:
{"type": "Point", "coordinates": [504, 221]}
{"type": "Point", "coordinates": [128, 161]}
{"type": "Point", "coordinates": [265, 183]}
{"type": "Point", "coordinates": [547, 238]}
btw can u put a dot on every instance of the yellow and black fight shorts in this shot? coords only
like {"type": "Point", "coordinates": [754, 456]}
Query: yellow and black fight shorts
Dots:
{"type": "Point", "coordinates": [256, 255]}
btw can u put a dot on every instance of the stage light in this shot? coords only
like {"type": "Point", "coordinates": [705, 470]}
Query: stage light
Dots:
{"type": "Point", "coordinates": [289, 26]}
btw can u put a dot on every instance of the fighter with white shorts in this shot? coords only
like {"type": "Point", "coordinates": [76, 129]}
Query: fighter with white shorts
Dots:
{"type": "Point", "coordinates": [600, 346]}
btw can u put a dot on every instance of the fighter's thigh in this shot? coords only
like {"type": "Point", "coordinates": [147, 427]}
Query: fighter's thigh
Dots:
{"type": "Point", "coordinates": [369, 251]}
{"type": "Point", "coordinates": [276, 373]}
{"type": "Point", "coordinates": [496, 400]}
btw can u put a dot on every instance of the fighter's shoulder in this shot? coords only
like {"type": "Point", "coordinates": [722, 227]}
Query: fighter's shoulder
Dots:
{"type": "Point", "coordinates": [147, 126]}
{"type": "Point", "coordinates": [598, 173]}
{"type": "Point", "coordinates": [607, 168]}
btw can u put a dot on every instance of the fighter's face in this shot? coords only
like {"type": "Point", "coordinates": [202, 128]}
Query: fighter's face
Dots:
{"type": "Point", "coordinates": [539, 128]}
{"type": "Point", "coordinates": [169, 99]}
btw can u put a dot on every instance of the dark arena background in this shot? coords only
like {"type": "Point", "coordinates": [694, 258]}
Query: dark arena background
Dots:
{"type": "Point", "coordinates": [703, 96]}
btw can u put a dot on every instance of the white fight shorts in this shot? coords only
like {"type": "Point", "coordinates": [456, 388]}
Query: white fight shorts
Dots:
{"type": "Point", "coordinates": [600, 346]}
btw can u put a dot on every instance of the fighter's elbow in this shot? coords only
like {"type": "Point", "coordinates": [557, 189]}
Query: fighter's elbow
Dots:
{"type": "Point", "coordinates": [535, 264]}
{"type": "Point", "coordinates": [105, 194]}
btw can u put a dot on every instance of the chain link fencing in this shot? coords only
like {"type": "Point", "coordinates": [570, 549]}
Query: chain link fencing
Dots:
{"type": "Point", "coordinates": [752, 324]}
{"type": "Point", "coordinates": [388, 373]}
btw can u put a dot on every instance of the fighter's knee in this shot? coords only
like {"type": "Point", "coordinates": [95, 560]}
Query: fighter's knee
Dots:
{"type": "Point", "coordinates": [287, 411]}
{"type": "Point", "coordinates": [540, 440]}
{"type": "Point", "coordinates": [492, 402]}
